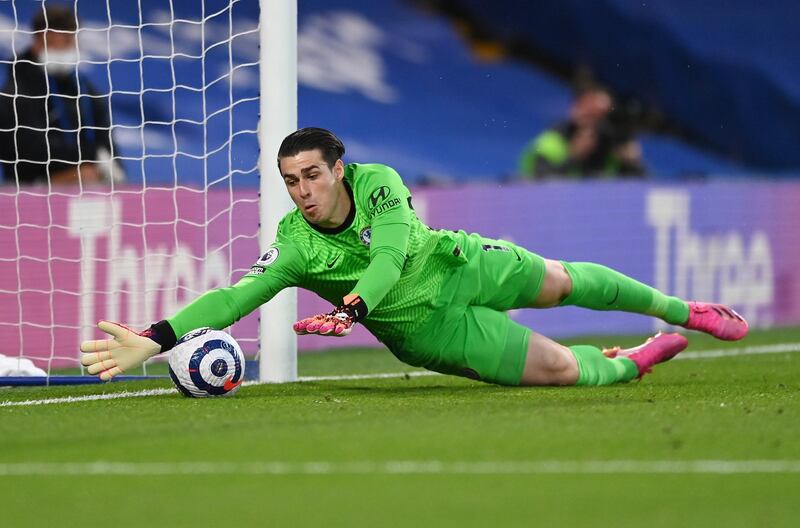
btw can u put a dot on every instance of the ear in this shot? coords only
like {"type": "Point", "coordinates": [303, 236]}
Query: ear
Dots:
{"type": "Point", "coordinates": [338, 170]}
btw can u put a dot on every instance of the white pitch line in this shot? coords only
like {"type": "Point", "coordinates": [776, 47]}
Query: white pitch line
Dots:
{"type": "Point", "coordinates": [90, 397]}
{"type": "Point", "coordinates": [778, 348]}
{"type": "Point", "coordinates": [160, 392]}
{"type": "Point", "coordinates": [404, 467]}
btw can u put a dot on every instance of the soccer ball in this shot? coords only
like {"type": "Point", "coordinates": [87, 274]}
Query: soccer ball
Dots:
{"type": "Point", "coordinates": [206, 363]}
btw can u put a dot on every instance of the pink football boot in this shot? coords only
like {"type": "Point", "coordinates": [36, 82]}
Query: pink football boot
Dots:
{"type": "Point", "coordinates": [717, 320]}
{"type": "Point", "coordinates": [657, 349]}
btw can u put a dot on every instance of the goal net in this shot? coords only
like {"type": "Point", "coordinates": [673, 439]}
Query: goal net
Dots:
{"type": "Point", "coordinates": [130, 155]}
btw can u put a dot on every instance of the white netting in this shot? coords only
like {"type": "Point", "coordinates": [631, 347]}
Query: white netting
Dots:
{"type": "Point", "coordinates": [176, 210]}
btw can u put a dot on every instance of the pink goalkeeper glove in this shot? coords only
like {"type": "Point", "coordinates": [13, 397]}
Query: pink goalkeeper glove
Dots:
{"type": "Point", "coordinates": [339, 322]}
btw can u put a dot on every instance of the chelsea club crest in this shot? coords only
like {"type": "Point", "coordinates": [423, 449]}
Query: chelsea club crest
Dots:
{"type": "Point", "coordinates": [366, 235]}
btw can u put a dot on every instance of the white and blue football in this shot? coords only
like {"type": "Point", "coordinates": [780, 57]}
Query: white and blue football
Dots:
{"type": "Point", "coordinates": [206, 363]}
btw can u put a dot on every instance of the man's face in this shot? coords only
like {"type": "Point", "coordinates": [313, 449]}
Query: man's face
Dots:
{"type": "Point", "coordinates": [57, 41]}
{"type": "Point", "coordinates": [60, 41]}
{"type": "Point", "coordinates": [315, 188]}
{"type": "Point", "coordinates": [591, 107]}
{"type": "Point", "coordinates": [60, 57]}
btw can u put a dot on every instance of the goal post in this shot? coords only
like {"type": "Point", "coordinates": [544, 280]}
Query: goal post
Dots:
{"type": "Point", "coordinates": [278, 80]}
{"type": "Point", "coordinates": [195, 98]}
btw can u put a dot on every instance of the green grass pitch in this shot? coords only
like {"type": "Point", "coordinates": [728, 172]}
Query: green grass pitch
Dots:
{"type": "Point", "coordinates": [419, 451]}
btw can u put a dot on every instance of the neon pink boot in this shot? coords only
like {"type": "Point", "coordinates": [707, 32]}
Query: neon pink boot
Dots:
{"type": "Point", "coordinates": [717, 320]}
{"type": "Point", "coordinates": [657, 349]}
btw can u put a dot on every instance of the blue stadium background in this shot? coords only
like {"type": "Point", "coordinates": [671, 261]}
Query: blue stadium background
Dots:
{"type": "Point", "coordinates": [401, 86]}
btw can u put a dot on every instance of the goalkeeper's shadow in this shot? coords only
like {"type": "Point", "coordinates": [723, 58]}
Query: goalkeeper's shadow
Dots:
{"type": "Point", "coordinates": [403, 388]}
{"type": "Point", "coordinates": [406, 389]}
{"type": "Point", "coordinates": [544, 397]}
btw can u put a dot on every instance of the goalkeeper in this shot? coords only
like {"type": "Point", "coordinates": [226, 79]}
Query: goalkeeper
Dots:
{"type": "Point", "coordinates": [436, 299]}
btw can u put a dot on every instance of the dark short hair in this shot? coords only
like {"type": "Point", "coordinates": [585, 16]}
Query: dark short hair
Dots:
{"type": "Point", "coordinates": [55, 16]}
{"type": "Point", "coordinates": [312, 138]}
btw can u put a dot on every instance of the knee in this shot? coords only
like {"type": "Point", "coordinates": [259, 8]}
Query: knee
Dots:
{"type": "Point", "coordinates": [549, 363]}
{"type": "Point", "coordinates": [556, 287]}
{"type": "Point", "coordinates": [563, 369]}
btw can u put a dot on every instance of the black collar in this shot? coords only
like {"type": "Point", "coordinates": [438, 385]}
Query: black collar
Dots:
{"type": "Point", "coordinates": [351, 215]}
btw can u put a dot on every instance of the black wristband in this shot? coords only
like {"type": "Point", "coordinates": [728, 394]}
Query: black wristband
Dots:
{"type": "Point", "coordinates": [162, 333]}
{"type": "Point", "coordinates": [357, 309]}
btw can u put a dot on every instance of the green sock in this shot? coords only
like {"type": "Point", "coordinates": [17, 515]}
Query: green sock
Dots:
{"type": "Point", "coordinates": [596, 369]}
{"type": "Point", "coordinates": [600, 288]}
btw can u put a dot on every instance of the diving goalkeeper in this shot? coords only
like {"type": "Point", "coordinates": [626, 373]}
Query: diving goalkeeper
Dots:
{"type": "Point", "coordinates": [437, 299]}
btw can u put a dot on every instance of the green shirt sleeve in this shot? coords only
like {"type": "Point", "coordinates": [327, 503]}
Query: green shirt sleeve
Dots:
{"type": "Point", "coordinates": [282, 266]}
{"type": "Point", "coordinates": [387, 200]}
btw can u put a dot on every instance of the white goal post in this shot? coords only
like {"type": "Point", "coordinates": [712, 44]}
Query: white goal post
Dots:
{"type": "Point", "coordinates": [139, 171]}
{"type": "Point", "coordinates": [278, 36]}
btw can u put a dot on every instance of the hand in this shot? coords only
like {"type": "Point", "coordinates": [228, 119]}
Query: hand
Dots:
{"type": "Point", "coordinates": [335, 323]}
{"type": "Point", "coordinates": [339, 322]}
{"type": "Point", "coordinates": [110, 357]}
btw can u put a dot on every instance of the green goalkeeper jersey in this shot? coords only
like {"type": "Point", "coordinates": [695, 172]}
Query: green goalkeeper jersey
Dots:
{"type": "Point", "coordinates": [382, 251]}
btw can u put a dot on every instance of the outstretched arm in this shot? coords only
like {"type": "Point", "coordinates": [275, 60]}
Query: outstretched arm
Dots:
{"type": "Point", "coordinates": [280, 267]}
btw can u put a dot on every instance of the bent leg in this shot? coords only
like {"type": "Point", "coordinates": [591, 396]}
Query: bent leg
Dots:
{"type": "Point", "coordinates": [485, 344]}
{"type": "Point", "coordinates": [511, 277]}
{"type": "Point", "coordinates": [550, 363]}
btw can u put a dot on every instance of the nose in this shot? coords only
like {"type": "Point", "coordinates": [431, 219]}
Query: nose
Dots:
{"type": "Point", "coordinates": [305, 188]}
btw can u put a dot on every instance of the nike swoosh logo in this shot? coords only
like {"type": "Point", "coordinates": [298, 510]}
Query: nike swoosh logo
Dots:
{"type": "Point", "coordinates": [516, 254]}
{"type": "Point", "coordinates": [228, 386]}
{"type": "Point", "coordinates": [332, 263]}
{"type": "Point", "coordinates": [612, 301]}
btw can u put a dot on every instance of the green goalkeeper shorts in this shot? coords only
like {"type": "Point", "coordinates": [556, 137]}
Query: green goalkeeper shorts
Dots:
{"type": "Point", "coordinates": [469, 333]}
